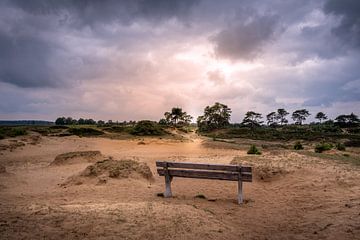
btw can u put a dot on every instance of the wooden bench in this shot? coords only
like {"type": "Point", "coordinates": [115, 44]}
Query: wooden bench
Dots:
{"type": "Point", "coordinates": [205, 171]}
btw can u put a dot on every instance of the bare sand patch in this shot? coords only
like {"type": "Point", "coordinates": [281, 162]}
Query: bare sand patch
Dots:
{"type": "Point", "coordinates": [316, 198]}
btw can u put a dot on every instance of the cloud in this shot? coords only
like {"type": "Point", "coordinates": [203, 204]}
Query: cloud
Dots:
{"type": "Point", "coordinates": [348, 29]}
{"type": "Point", "coordinates": [91, 12]}
{"type": "Point", "coordinates": [245, 38]}
{"type": "Point", "coordinates": [216, 76]}
{"type": "Point", "coordinates": [46, 43]}
{"type": "Point", "coordinates": [135, 59]}
{"type": "Point", "coordinates": [25, 61]}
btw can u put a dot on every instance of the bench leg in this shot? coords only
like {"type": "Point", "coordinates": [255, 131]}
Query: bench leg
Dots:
{"type": "Point", "coordinates": [168, 192]}
{"type": "Point", "coordinates": [240, 193]}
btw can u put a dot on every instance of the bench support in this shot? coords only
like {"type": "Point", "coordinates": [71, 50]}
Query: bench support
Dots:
{"type": "Point", "coordinates": [240, 187]}
{"type": "Point", "coordinates": [240, 193]}
{"type": "Point", "coordinates": [168, 180]}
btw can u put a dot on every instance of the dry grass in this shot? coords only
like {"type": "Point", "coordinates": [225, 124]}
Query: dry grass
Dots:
{"type": "Point", "coordinates": [77, 157]}
{"type": "Point", "coordinates": [118, 169]}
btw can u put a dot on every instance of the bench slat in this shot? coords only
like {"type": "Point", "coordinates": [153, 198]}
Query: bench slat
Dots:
{"type": "Point", "coordinates": [230, 176]}
{"type": "Point", "coordinates": [219, 167]}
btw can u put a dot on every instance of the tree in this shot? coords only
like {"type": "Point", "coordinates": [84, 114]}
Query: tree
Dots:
{"type": "Point", "coordinates": [81, 121]}
{"type": "Point", "coordinates": [177, 117]}
{"type": "Point", "coordinates": [350, 120]}
{"type": "Point", "coordinates": [89, 121]}
{"type": "Point", "coordinates": [281, 116]}
{"type": "Point", "coordinates": [252, 119]}
{"type": "Point", "coordinates": [163, 121]}
{"type": "Point", "coordinates": [300, 115]}
{"type": "Point", "coordinates": [60, 121]}
{"type": "Point", "coordinates": [321, 116]}
{"type": "Point", "coordinates": [216, 116]}
{"type": "Point", "coordinates": [271, 119]}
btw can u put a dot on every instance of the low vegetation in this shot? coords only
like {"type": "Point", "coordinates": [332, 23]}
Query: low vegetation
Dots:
{"type": "Point", "coordinates": [6, 132]}
{"type": "Point", "coordinates": [343, 158]}
{"type": "Point", "coordinates": [321, 147]}
{"type": "Point", "coordinates": [147, 128]}
{"type": "Point", "coordinates": [298, 146]}
{"type": "Point", "coordinates": [253, 150]}
{"type": "Point", "coordinates": [85, 132]}
{"type": "Point", "coordinates": [340, 147]}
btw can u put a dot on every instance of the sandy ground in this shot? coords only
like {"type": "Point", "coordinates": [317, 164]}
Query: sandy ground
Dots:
{"type": "Point", "coordinates": [298, 197]}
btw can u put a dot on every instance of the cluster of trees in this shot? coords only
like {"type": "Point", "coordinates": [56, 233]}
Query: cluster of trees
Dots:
{"type": "Point", "coordinates": [82, 121]}
{"type": "Point", "coordinates": [299, 116]}
{"type": "Point", "coordinates": [218, 116]}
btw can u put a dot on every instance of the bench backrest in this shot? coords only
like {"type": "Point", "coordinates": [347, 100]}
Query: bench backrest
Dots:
{"type": "Point", "coordinates": [205, 171]}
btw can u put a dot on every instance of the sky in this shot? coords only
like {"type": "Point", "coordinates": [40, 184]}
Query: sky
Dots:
{"type": "Point", "coordinates": [136, 59]}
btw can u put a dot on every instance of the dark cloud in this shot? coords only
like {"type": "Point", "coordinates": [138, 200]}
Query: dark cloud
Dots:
{"type": "Point", "coordinates": [32, 34]}
{"type": "Point", "coordinates": [245, 38]}
{"type": "Point", "coordinates": [90, 12]}
{"type": "Point", "coordinates": [349, 27]}
{"type": "Point", "coordinates": [25, 61]}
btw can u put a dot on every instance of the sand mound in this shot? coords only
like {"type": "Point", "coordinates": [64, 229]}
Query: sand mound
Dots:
{"type": "Point", "coordinates": [2, 169]}
{"type": "Point", "coordinates": [77, 157]}
{"type": "Point", "coordinates": [263, 169]}
{"type": "Point", "coordinates": [109, 168]}
{"type": "Point", "coordinates": [118, 169]}
{"type": "Point", "coordinates": [268, 172]}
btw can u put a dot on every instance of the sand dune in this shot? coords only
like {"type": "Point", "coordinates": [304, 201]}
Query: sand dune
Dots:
{"type": "Point", "coordinates": [293, 196]}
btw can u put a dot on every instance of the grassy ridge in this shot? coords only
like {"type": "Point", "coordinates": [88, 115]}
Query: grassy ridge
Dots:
{"type": "Point", "coordinates": [291, 132]}
{"type": "Point", "coordinates": [141, 128]}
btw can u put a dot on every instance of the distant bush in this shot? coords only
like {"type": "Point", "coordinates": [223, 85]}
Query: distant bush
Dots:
{"type": "Point", "coordinates": [85, 132]}
{"type": "Point", "coordinates": [12, 132]}
{"type": "Point", "coordinates": [354, 130]}
{"type": "Point", "coordinates": [340, 147]}
{"type": "Point", "coordinates": [147, 128]}
{"type": "Point", "coordinates": [115, 129]}
{"type": "Point", "coordinates": [298, 146]}
{"type": "Point", "coordinates": [253, 150]}
{"type": "Point", "coordinates": [352, 143]}
{"type": "Point", "coordinates": [319, 148]}
{"type": "Point", "coordinates": [59, 127]}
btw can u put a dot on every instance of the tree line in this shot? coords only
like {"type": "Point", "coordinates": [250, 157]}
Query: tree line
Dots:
{"type": "Point", "coordinates": [84, 121]}
{"type": "Point", "coordinates": [218, 116]}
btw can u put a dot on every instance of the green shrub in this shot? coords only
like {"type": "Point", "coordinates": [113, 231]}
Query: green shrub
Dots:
{"type": "Point", "coordinates": [298, 146]}
{"type": "Point", "coordinates": [340, 147]}
{"type": "Point", "coordinates": [253, 150]}
{"type": "Point", "coordinates": [12, 131]}
{"type": "Point", "coordinates": [85, 132]}
{"type": "Point", "coordinates": [319, 148]}
{"type": "Point", "coordinates": [147, 128]}
{"type": "Point", "coordinates": [115, 129]}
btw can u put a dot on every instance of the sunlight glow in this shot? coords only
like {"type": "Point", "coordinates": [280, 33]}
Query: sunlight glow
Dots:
{"type": "Point", "coordinates": [202, 55]}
